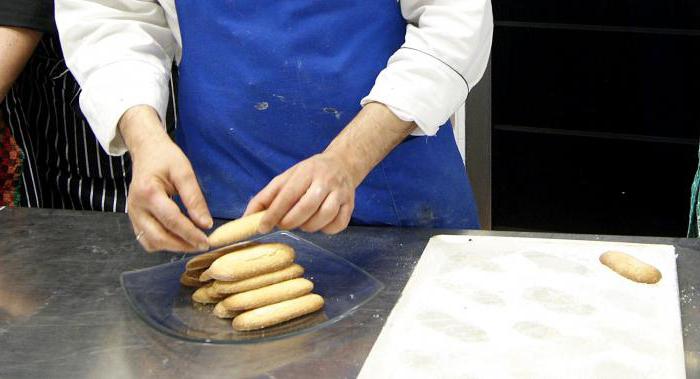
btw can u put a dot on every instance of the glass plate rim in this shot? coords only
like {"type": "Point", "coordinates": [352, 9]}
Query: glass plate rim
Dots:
{"type": "Point", "coordinates": [146, 319]}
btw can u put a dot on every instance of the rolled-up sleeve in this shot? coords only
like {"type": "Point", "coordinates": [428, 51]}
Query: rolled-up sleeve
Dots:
{"type": "Point", "coordinates": [445, 54]}
{"type": "Point", "coordinates": [121, 52]}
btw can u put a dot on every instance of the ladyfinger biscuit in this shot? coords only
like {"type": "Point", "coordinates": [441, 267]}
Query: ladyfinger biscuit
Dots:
{"type": "Point", "coordinates": [631, 267]}
{"type": "Point", "coordinates": [203, 295]}
{"type": "Point", "coordinates": [236, 230]}
{"type": "Point", "coordinates": [249, 262]}
{"type": "Point", "coordinates": [290, 289]}
{"type": "Point", "coordinates": [221, 311]}
{"type": "Point", "coordinates": [277, 313]}
{"type": "Point", "coordinates": [229, 288]}
{"type": "Point", "coordinates": [191, 279]}
{"type": "Point", "coordinates": [203, 261]}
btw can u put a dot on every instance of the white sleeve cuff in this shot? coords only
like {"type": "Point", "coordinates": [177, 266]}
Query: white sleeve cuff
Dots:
{"type": "Point", "coordinates": [409, 117]}
{"type": "Point", "coordinates": [421, 86]}
{"type": "Point", "coordinates": [113, 89]}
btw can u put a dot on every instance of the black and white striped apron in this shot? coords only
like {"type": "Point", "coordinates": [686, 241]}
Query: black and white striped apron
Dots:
{"type": "Point", "coordinates": [64, 167]}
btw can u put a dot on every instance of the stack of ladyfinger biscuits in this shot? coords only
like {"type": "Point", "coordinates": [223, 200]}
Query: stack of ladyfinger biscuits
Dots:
{"type": "Point", "coordinates": [257, 285]}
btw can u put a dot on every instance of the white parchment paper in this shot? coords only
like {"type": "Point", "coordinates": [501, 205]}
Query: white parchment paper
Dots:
{"type": "Point", "coordinates": [498, 307]}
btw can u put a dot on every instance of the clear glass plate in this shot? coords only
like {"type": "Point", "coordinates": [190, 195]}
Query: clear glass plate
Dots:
{"type": "Point", "coordinates": [157, 296]}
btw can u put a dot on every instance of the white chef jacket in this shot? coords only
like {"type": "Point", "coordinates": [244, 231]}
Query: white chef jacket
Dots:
{"type": "Point", "coordinates": [121, 52]}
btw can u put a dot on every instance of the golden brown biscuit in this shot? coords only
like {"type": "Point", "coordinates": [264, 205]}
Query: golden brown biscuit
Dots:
{"type": "Point", "coordinates": [631, 267]}
{"type": "Point", "coordinates": [203, 295]}
{"type": "Point", "coordinates": [221, 311]}
{"type": "Point", "coordinates": [249, 262]}
{"type": "Point", "coordinates": [277, 313]}
{"type": "Point", "coordinates": [229, 288]}
{"type": "Point", "coordinates": [275, 293]}
{"type": "Point", "coordinates": [202, 262]}
{"type": "Point", "coordinates": [236, 230]}
{"type": "Point", "coordinates": [191, 279]}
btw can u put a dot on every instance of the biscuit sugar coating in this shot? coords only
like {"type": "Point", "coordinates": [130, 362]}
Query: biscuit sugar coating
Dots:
{"type": "Point", "coordinates": [277, 313]}
{"type": "Point", "coordinates": [249, 262]}
{"type": "Point", "coordinates": [236, 230]}
{"type": "Point", "coordinates": [272, 294]}
{"type": "Point", "coordinates": [230, 288]}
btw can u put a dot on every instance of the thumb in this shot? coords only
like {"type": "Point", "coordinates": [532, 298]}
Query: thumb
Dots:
{"type": "Point", "coordinates": [187, 187]}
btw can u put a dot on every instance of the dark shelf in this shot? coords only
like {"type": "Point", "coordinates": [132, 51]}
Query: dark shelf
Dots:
{"type": "Point", "coordinates": [677, 14]}
{"type": "Point", "coordinates": [597, 28]}
{"type": "Point", "coordinates": [591, 133]}
{"type": "Point", "coordinates": [589, 185]}
{"type": "Point", "coordinates": [639, 84]}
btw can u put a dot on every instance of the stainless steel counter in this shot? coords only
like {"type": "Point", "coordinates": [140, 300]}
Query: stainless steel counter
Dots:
{"type": "Point", "coordinates": [63, 313]}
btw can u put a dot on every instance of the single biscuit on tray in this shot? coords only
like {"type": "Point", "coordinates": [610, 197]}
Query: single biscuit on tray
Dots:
{"type": "Point", "coordinates": [277, 313]}
{"type": "Point", "coordinates": [275, 293]}
{"type": "Point", "coordinates": [630, 267]}
{"type": "Point", "coordinates": [249, 262]}
{"type": "Point", "coordinates": [229, 288]}
{"type": "Point", "coordinates": [204, 295]}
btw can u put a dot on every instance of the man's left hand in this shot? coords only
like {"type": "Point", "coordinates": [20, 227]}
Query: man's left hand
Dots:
{"type": "Point", "coordinates": [319, 192]}
{"type": "Point", "coordinates": [315, 194]}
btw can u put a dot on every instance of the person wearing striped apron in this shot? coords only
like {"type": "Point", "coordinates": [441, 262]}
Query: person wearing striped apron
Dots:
{"type": "Point", "coordinates": [324, 113]}
{"type": "Point", "coordinates": [60, 161]}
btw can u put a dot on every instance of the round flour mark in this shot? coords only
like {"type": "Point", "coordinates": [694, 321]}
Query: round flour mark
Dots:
{"type": "Point", "coordinates": [633, 340]}
{"type": "Point", "coordinates": [535, 330]}
{"type": "Point", "coordinates": [472, 261]}
{"type": "Point", "coordinates": [261, 106]}
{"type": "Point", "coordinates": [487, 297]}
{"type": "Point", "coordinates": [466, 290]}
{"type": "Point", "coordinates": [452, 327]}
{"type": "Point", "coordinates": [628, 301]}
{"type": "Point", "coordinates": [557, 301]}
{"type": "Point", "coordinates": [453, 286]}
{"type": "Point", "coordinates": [555, 263]}
{"type": "Point", "coordinates": [616, 370]}
{"type": "Point", "coordinates": [418, 360]}
{"type": "Point", "coordinates": [571, 345]}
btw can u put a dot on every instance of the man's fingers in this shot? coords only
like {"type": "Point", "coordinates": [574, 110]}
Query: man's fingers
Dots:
{"type": "Point", "coordinates": [305, 208]}
{"type": "Point", "coordinates": [154, 237]}
{"type": "Point", "coordinates": [325, 214]}
{"type": "Point", "coordinates": [168, 214]}
{"type": "Point", "coordinates": [288, 195]}
{"type": "Point", "coordinates": [341, 220]}
{"type": "Point", "coordinates": [191, 195]}
{"type": "Point", "coordinates": [264, 198]}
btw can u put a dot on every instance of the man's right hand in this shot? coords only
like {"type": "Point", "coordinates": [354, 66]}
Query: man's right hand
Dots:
{"type": "Point", "coordinates": [161, 170]}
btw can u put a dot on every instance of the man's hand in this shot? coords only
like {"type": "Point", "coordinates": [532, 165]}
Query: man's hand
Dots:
{"type": "Point", "coordinates": [161, 170]}
{"type": "Point", "coordinates": [319, 192]}
{"type": "Point", "coordinates": [315, 194]}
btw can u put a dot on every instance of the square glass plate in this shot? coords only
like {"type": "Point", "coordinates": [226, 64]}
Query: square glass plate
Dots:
{"type": "Point", "coordinates": [157, 296]}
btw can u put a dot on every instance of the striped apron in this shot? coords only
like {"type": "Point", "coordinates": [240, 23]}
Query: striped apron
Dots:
{"type": "Point", "coordinates": [63, 166]}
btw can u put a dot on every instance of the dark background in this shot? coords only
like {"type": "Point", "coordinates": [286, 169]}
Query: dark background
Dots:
{"type": "Point", "coordinates": [596, 115]}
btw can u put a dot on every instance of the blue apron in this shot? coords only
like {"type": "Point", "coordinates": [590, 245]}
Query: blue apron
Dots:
{"type": "Point", "coordinates": [265, 84]}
